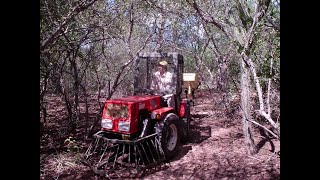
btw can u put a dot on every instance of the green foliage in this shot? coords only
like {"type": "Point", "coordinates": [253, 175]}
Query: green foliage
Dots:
{"type": "Point", "coordinates": [71, 145]}
{"type": "Point", "coordinates": [99, 41]}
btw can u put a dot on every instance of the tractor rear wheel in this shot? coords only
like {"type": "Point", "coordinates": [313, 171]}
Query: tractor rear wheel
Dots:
{"type": "Point", "coordinates": [185, 124]}
{"type": "Point", "coordinates": [170, 136]}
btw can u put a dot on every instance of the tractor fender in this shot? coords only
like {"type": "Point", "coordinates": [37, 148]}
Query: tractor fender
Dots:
{"type": "Point", "coordinates": [168, 115]}
{"type": "Point", "coordinates": [161, 113]}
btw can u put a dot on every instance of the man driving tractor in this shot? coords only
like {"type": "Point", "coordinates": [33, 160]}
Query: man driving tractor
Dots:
{"type": "Point", "coordinates": [163, 80]}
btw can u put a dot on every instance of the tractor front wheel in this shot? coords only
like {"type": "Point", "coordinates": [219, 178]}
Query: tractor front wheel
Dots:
{"type": "Point", "coordinates": [170, 136]}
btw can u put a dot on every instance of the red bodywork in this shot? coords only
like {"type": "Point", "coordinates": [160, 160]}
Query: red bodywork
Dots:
{"type": "Point", "coordinates": [183, 108]}
{"type": "Point", "coordinates": [163, 111]}
{"type": "Point", "coordinates": [134, 104]}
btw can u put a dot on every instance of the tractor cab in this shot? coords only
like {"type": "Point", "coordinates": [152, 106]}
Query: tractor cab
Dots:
{"type": "Point", "coordinates": [147, 67]}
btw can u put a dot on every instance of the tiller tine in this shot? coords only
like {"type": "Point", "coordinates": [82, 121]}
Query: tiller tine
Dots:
{"type": "Point", "coordinates": [115, 158]}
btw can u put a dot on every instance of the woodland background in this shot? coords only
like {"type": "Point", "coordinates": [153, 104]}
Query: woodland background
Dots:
{"type": "Point", "coordinates": [88, 49]}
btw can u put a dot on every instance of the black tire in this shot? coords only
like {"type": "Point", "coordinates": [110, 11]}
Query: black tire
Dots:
{"type": "Point", "coordinates": [185, 131]}
{"type": "Point", "coordinates": [169, 135]}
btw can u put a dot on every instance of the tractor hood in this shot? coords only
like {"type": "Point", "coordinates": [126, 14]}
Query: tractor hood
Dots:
{"type": "Point", "coordinates": [149, 102]}
{"type": "Point", "coordinates": [121, 114]}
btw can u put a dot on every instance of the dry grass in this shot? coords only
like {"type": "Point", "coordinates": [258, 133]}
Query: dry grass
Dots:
{"type": "Point", "coordinates": [58, 164]}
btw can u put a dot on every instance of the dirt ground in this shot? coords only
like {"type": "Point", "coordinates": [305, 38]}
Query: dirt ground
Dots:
{"type": "Point", "coordinates": [215, 150]}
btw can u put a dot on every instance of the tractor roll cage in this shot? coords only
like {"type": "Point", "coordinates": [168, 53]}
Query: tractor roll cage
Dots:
{"type": "Point", "coordinates": [145, 64]}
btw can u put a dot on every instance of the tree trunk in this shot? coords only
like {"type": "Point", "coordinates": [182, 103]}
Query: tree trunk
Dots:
{"type": "Point", "coordinates": [76, 88]}
{"type": "Point", "coordinates": [224, 85]}
{"type": "Point", "coordinates": [86, 107]}
{"type": "Point", "coordinates": [66, 99]}
{"type": "Point", "coordinates": [160, 27]}
{"type": "Point", "coordinates": [42, 94]}
{"type": "Point", "coordinates": [174, 36]}
{"type": "Point", "coordinates": [245, 106]}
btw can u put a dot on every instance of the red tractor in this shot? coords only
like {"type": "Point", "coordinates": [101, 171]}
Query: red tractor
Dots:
{"type": "Point", "coordinates": [140, 131]}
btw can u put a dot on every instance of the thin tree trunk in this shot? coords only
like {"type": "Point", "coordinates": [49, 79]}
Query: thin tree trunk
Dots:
{"type": "Point", "coordinates": [66, 99]}
{"type": "Point", "coordinates": [76, 88]}
{"type": "Point", "coordinates": [42, 94]}
{"type": "Point", "coordinates": [259, 91]}
{"type": "Point", "coordinates": [245, 106]}
{"type": "Point", "coordinates": [86, 108]}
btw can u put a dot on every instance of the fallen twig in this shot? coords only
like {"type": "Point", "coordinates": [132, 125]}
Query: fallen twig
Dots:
{"type": "Point", "coordinates": [255, 158]}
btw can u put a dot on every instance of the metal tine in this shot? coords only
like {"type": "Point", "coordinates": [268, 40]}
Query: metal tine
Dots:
{"type": "Point", "coordinates": [155, 144]}
{"type": "Point", "coordinates": [89, 152]}
{"type": "Point", "coordinates": [106, 147]}
{"type": "Point", "coordinates": [97, 146]}
{"type": "Point", "coordinates": [135, 153]}
{"type": "Point", "coordinates": [159, 146]}
{"type": "Point", "coordinates": [150, 151]}
{"type": "Point", "coordinates": [98, 141]}
{"type": "Point", "coordinates": [145, 153]}
{"type": "Point", "coordinates": [122, 154]}
{"type": "Point", "coordinates": [129, 157]}
{"type": "Point", "coordinates": [116, 157]}
{"type": "Point", "coordinates": [113, 147]}
{"type": "Point", "coordinates": [109, 153]}
{"type": "Point", "coordinates": [140, 156]}
{"type": "Point", "coordinates": [109, 150]}
{"type": "Point", "coordinates": [159, 149]}
{"type": "Point", "coordinates": [156, 148]}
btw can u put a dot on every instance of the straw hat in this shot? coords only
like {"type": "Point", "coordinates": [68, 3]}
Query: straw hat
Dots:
{"type": "Point", "coordinates": [163, 63]}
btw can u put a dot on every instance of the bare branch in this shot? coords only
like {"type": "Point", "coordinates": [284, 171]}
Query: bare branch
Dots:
{"type": "Point", "coordinates": [269, 86]}
{"type": "Point", "coordinates": [74, 12]}
{"type": "Point", "coordinates": [153, 4]}
{"type": "Point", "coordinates": [117, 80]}
{"type": "Point", "coordinates": [275, 25]}
{"type": "Point", "coordinates": [207, 18]}
{"type": "Point", "coordinates": [256, 123]}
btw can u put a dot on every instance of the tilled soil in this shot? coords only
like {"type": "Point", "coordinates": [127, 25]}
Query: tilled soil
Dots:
{"type": "Point", "coordinates": [215, 151]}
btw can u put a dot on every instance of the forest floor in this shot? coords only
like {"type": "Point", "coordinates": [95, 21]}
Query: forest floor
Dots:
{"type": "Point", "coordinates": [215, 149]}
